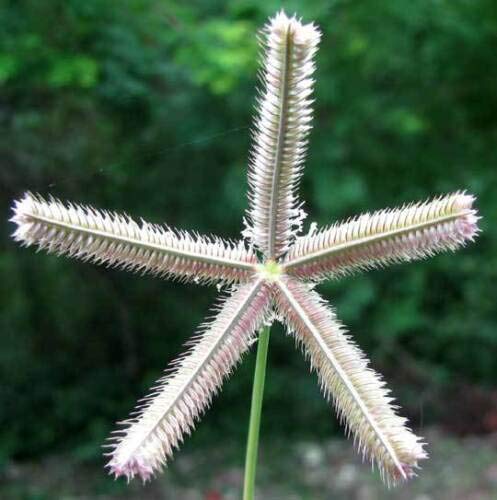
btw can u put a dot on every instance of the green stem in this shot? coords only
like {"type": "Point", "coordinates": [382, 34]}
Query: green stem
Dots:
{"type": "Point", "coordinates": [255, 415]}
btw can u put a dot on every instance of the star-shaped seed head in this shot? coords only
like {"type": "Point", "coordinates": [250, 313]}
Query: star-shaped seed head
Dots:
{"type": "Point", "coordinates": [271, 274]}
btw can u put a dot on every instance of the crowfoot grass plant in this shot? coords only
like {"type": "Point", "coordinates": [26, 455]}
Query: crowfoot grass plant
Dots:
{"type": "Point", "coordinates": [271, 273]}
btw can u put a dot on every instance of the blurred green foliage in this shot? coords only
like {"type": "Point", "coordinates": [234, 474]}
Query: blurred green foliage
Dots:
{"type": "Point", "coordinates": [146, 107]}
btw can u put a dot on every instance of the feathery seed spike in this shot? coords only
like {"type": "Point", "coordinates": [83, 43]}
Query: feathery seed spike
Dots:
{"type": "Point", "coordinates": [279, 285]}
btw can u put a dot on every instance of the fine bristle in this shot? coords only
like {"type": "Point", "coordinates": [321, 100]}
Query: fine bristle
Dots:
{"type": "Point", "coordinates": [117, 240]}
{"type": "Point", "coordinates": [283, 121]}
{"type": "Point", "coordinates": [178, 400]}
{"type": "Point", "coordinates": [358, 393]}
{"type": "Point", "coordinates": [412, 232]}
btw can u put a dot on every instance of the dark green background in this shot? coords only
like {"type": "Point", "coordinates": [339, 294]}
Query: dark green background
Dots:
{"type": "Point", "coordinates": [145, 107]}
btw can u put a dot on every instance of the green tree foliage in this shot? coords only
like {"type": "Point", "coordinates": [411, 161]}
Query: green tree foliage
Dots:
{"type": "Point", "coordinates": [118, 105]}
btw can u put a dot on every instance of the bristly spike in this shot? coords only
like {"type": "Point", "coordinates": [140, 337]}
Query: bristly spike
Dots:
{"type": "Point", "coordinates": [184, 395]}
{"type": "Point", "coordinates": [357, 392]}
{"type": "Point", "coordinates": [279, 285]}
{"type": "Point", "coordinates": [411, 232]}
{"type": "Point", "coordinates": [282, 125]}
{"type": "Point", "coordinates": [115, 240]}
